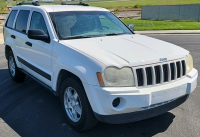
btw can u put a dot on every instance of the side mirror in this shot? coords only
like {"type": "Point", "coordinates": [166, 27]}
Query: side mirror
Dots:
{"type": "Point", "coordinates": [37, 35]}
{"type": "Point", "coordinates": [131, 26]}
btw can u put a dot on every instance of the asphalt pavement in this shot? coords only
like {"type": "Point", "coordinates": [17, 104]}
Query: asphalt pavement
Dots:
{"type": "Point", "coordinates": [30, 110]}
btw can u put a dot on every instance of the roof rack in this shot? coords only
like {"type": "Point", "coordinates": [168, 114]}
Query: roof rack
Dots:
{"type": "Point", "coordinates": [36, 3]}
{"type": "Point", "coordinates": [80, 3]}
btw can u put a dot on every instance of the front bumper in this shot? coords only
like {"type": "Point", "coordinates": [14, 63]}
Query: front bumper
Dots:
{"type": "Point", "coordinates": [140, 115]}
{"type": "Point", "coordinates": [140, 103]}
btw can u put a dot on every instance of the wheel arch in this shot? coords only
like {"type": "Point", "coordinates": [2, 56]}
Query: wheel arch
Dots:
{"type": "Point", "coordinates": [7, 49]}
{"type": "Point", "coordinates": [62, 75]}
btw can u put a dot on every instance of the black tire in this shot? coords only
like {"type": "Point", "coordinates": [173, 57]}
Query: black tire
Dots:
{"type": "Point", "coordinates": [87, 119]}
{"type": "Point", "coordinates": [15, 74]}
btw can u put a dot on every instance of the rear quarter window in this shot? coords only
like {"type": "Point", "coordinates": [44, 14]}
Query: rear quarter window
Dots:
{"type": "Point", "coordinates": [11, 19]}
{"type": "Point", "coordinates": [22, 19]}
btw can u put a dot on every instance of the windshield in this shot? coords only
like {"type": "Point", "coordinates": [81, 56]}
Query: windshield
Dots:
{"type": "Point", "coordinates": [86, 24]}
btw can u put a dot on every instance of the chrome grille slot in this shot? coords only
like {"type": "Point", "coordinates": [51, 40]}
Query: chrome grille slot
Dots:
{"type": "Point", "coordinates": [160, 73]}
{"type": "Point", "coordinates": [165, 72]}
{"type": "Point", "coordinates": [183, 67]}
{"type": "Point", "coordinates": [157, 73]}
{"type": "Point", "coordinates": [178, 67]}
{"type": "Point", "coordinates": [172, 67]}
{"type": "Point", "coordinates": [149, 75]}
{"type": "Point", "coordinates": [140, 77]}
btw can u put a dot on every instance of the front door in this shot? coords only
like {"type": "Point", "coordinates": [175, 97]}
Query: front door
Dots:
{"type": "Point", "coordinates": [38, 52]}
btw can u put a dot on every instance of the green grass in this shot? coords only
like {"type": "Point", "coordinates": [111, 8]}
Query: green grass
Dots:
{"type": "Point", "coordinates": [140, 24]}
{"type": "Point", "coordinates": [131, 4]}
{"type": "Point", "coordinates": [3, 6]}
{"type": "Point", "coordinates": [121, 5]}
{"type": "Point", "coordinates": [162, 25]}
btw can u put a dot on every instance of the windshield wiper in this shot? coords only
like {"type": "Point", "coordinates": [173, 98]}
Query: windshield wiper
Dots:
{"type": "Point", "coordinates": [112, 34]}
{"type": "Point", "coordinates": [77, 37]}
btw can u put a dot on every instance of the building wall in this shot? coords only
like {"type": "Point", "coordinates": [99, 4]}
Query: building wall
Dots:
{"type": "Point", "coordinates": [172, 12]}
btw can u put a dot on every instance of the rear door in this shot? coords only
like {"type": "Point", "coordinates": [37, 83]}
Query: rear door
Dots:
{"type": "Point", "coordinates": [20, 35]}
{"type": "Point", "coordinates": [9, 37]}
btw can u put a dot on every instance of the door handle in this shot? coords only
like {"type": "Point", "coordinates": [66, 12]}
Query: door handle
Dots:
{"type": "Point", "coordinates": [29, 44]}
{"type": "Point", "coordinates": [13, 36]}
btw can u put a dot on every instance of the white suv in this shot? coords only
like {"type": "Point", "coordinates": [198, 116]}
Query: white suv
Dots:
{"type": "Point", "coordinates": [96, 64]}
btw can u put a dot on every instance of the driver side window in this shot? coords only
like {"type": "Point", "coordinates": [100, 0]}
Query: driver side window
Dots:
{"type": "Point", "coordinates": [37, 22]}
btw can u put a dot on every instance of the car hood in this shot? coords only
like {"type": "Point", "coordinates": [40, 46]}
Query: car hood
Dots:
{"type": "Point", "coordinates": [127, 50]}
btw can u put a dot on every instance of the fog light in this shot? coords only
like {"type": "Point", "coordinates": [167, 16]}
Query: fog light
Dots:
{"type": "Point", "coordinates": [116, 102]}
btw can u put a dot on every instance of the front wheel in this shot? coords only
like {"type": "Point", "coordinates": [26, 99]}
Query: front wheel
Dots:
{"type": "Point", "coordinates": [76, 106]}
{"type": "Point", "coordinates": [14, 71]}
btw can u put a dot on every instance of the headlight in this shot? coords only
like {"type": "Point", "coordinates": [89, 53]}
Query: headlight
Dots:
{"type": "Point", "coordinates": [189, 63]}
{"type": "Point", "coordinates": [123, 77]}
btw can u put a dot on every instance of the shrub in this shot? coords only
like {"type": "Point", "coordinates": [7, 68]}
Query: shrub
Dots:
{"type": "Point", "coordinates": [137, 6]}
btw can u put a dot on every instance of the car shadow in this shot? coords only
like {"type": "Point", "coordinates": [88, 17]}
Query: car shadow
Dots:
{"type": "Point", "coordinates": [147, 128]}
{"type": "Point", "coordinates": [32, 110]}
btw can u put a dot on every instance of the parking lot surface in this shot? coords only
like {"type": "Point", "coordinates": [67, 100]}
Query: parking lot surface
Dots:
{"type": "Point", "coordinates": [31, 110]}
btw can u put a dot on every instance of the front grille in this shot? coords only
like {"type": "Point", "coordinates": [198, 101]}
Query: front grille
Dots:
{"type": "Point", "coordinates": [159, 74]}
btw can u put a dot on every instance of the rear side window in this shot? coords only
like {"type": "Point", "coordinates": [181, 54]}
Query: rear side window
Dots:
{"type": "Point", "coordinates": [21, 23]}
{"type": "Point", "coordinates": [11, 19]}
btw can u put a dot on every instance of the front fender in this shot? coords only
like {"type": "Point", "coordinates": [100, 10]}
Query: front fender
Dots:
{"type": "Point", "coordinates": [81, 65]}
{"type": "Point", "coordinates": [84, 67]}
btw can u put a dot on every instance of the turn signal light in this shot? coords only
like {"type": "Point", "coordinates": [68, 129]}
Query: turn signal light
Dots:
{"type": "Point", "coordinates": [100, 79]}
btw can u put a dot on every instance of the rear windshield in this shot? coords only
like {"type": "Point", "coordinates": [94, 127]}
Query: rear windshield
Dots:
{"type": "Point", "coordinates": [85, 24]}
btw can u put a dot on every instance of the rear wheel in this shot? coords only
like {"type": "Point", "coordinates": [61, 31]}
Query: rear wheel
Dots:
{"type": "Point", "coordinates": [76, 106]}
{"type": "Point", "coordinates": [14, 71]}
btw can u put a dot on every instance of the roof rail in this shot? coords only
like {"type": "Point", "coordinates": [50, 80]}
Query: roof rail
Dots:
{"type": "Point", "coordinates": [36, 3]}
{"type": "Point", "coordinates": [80, 3]}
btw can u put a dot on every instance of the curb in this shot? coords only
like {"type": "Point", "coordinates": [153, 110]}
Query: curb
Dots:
{"type": "Point", "coordinates": [6, 130]}
{"type": "Point", "coordinates": [1, 38]}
